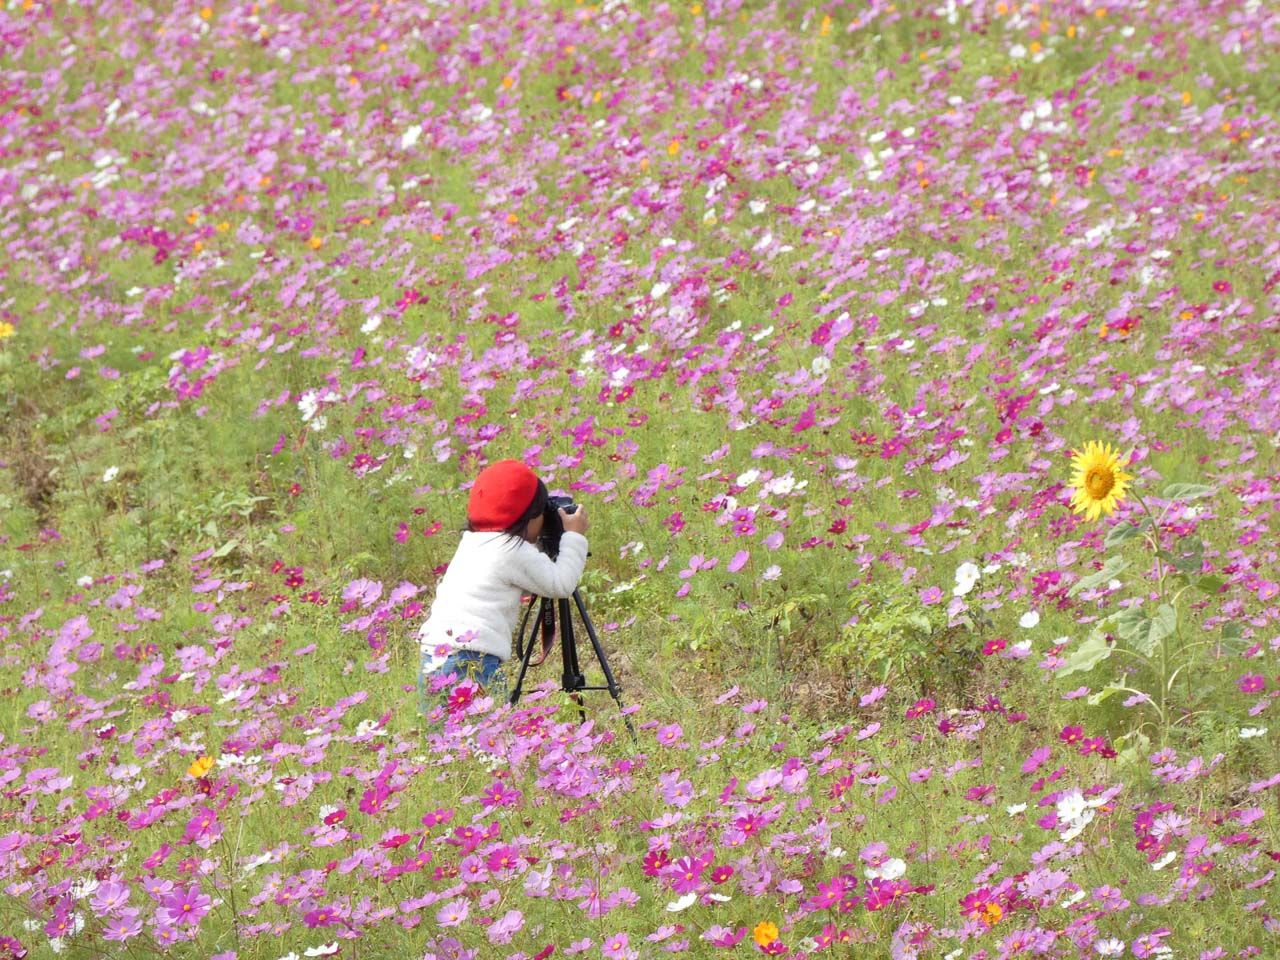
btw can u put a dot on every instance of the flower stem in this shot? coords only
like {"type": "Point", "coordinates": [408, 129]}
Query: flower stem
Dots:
{"type": "Point", "coordinates": [1152, 537]}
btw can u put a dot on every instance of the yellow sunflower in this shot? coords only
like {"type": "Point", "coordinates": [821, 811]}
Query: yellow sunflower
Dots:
{"type": "Point", "coordinates": [1098, 480]}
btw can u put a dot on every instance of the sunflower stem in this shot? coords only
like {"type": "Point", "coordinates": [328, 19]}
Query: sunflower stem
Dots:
{"type": "Point", "coordinates": [1152, 538]}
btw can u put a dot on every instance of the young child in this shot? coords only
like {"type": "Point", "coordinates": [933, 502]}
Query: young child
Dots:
{"type": "Point", "coordinates": [477, 605]}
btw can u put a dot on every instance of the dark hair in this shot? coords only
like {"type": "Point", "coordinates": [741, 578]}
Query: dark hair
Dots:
{"type": "Point", "coordinates": [537, 507]}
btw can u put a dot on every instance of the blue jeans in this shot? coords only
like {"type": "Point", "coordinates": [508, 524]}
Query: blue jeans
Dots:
{"type": "Point", "coordinates": [464, 664]}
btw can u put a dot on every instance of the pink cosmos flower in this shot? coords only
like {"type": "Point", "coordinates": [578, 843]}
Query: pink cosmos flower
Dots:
{"type": "Point", "coordinates": [670, 733]}
{"type": "Point", "coordinates": [920, 708]}
{"type": "Point", "coordinates": [1252, 683]}
{"type": "Point", "coordinates": [184, 907]}
{"type": "Point", "coordinates": [453, 913]}
{"type": "Point", "coordinates": [499, 794]}
{"type": "Point", "coordinates": [122, 926]}
{"type": "Point", "coordinates": [617, 947]}
{"type": "Point", "coordinates": [203, 829]}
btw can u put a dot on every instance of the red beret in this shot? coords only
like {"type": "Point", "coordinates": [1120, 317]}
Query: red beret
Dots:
{"type": "Point", "coordinates": [501, 495]}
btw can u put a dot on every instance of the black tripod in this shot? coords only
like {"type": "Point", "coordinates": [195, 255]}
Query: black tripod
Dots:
{"type": "Point", "coordinates": [572, 681]}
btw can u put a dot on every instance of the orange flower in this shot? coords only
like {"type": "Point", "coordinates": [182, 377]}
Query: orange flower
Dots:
{"type": "Point", "coordinates": [765, 933]}
{"type": "Point", "coordinates": [200, 767]}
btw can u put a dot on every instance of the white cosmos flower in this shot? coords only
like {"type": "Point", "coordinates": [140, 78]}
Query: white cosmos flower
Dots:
{"type": "Point", "coordinates": [1071, 806]}
{"type": "Point", "coordinates": [684, 903]}
{"type": "Point", "coordinates": [1029, 620]}
{"type": "Point", "coordinates": [966, 576]}
{"type": "Point", "coordinates": [891, 869]}
{"type": "Point", "coordinates": [784, 484]}
{"type": "Point", "coordinates": [1249, 733]}
{"type": "Point", "coordinates": [254, 864]}
{"type": "Point", "coordinates": [110, 474]}
{"type": "Point", "coordinates": [308, 404]}
{"type": "Point", "coordinates": [1077, 827]}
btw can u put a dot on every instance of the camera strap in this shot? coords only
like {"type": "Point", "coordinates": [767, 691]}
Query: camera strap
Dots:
{"type": "Point", "coordinates": [547, 628]}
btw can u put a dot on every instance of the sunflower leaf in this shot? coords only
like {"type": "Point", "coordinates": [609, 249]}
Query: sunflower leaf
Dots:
{"type": "Point", "coordinates": [1187, 491]}
{"type": "Point", "coordinates": [1183, 564]}
{"type": "Point", "coordinates": [1191, 564]}
{"type": "Point", "coordinates": [1123, 532]}
{"type": "Point", "coordinates": [1145, 633]}
{"type": "Point", "coordinates": [1129, 621]}
{"type": "Point", "coordinates": [1110, 569]}
{"type": "Point", "coordinates": [1137, 749]}
{"type": "Point", "coordinates": [1089, 654]}
{"type": "Point", "coordinates": [1106, 693]}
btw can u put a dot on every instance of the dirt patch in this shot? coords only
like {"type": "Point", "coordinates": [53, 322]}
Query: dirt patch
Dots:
{"type": "Point", "coordinates": [22, 446]}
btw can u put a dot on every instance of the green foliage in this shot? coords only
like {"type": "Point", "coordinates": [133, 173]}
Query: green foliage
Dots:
{"type": "Point", "coordinates": [893, 636]}
{"type": "Point", "coordinates": [1149, 633]}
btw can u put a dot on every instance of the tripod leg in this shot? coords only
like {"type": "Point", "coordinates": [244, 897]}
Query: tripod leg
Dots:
{"type": "Point", "coordinates": [572, 680]}
{"type": "Point", "coordinates": [544, 608]}
{"type": "Point", "coordinates": [615, 691]}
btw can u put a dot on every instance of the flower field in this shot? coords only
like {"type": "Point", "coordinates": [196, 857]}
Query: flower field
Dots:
{"type": "Point", "coordinates": [919, 366]}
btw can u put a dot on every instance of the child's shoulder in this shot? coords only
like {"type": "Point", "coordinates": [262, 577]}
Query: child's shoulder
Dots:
{"type": "Point", "coordinates": [488, 542]}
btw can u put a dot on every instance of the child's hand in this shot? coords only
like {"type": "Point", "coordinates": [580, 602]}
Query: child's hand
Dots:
{"type": "Point", "coordinates": [575, 522]}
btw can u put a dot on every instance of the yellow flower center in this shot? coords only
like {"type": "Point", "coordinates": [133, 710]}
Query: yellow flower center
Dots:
{"type": "Point", "coordinates": [1099, 481]}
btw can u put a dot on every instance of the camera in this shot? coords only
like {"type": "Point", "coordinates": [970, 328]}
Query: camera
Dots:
{"type": "Point", "coordinates": [553, 526]}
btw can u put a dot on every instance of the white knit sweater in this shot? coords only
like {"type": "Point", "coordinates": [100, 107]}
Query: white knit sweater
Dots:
{"type": "Point", "coordinates": [477, 604]}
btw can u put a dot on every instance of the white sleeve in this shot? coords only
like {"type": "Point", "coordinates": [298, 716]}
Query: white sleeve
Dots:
{"type": "Point", "coordinates": [537, 573]}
